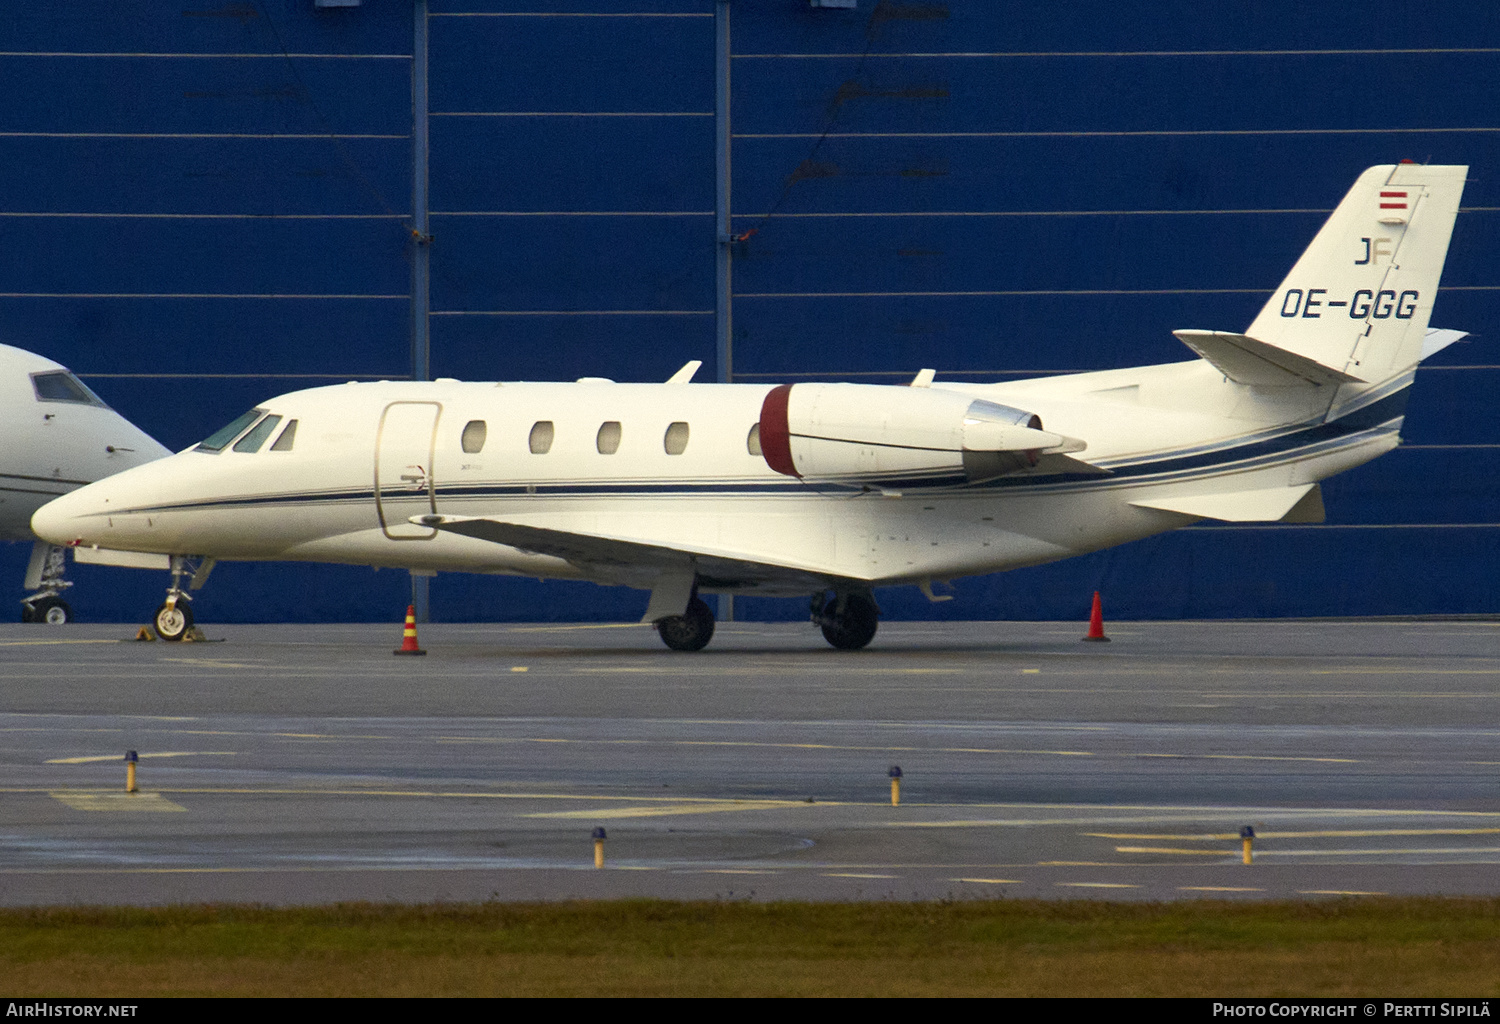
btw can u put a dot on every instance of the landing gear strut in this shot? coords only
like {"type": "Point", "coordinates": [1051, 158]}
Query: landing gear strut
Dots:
{"type": "Point", "coordinates": [690, 631]}
{"type": "Point", "coordinates": [175, 617]}
{"type": "Point", "coordinates": [849, 620]}
{"type": "Point", "coordinates": [45, 575]}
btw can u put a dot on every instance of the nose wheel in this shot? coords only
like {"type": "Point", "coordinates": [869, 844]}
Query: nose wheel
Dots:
{"type": "Point", "coordinates": [173, 620]}
{"type": "Point", "coordinates": [45, 575]}
{"type": "Point", "coordinates": [690, 631]}
{"type": "Point", "coordinates": [54, 611]}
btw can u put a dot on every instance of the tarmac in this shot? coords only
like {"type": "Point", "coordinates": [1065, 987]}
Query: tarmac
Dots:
{"type": "Point", "coordinates": [307, 764]}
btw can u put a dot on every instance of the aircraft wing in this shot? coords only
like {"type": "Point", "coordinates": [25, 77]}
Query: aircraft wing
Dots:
{"type": "Point", "coordinates": [1302, 503]}
{"type": "Point", "coordinates": [640, 556]}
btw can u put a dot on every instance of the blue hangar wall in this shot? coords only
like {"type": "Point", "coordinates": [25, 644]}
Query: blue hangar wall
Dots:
{"type": "Point", "coordinates": [208, 202]}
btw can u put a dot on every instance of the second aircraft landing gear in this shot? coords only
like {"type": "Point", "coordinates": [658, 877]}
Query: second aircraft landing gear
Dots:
{"type": "Point", "coordinates": [45, 575]}
{"type": "Point", "coordinates": [690, 631]}
{"type": "Point", "coordinates": [849, 620]}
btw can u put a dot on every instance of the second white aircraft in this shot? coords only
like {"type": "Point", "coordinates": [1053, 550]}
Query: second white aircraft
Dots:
{"type": "Point", "coordinates": [827, 490]}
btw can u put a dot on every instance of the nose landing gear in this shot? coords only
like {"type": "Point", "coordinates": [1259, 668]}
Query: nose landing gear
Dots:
{"type": "Point", "coordinates": [175, 617]}
{"type": "Point", "coordinates": [44, 574]}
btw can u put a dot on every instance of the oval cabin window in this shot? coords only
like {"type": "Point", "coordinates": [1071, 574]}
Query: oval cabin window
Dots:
{"type": "Point", "coordinates": [676, 439]}
{"type": "Point", "coordinates": [752, 442]}
{"type": "Point", "coordinates": [608, 441]}
{"type": "Point", "coordinates": [473, 436]}
{"type": "Point", "coordinates": [541, 437]}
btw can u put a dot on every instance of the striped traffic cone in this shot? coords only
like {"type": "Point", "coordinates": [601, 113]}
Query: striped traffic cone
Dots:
{"type": "Point", "coordinates": [409, 634]}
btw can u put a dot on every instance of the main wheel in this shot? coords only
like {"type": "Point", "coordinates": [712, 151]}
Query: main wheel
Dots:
{"type": "Point", "coordinates": [173, 621]}
{"type": "Point", "coordinates": [690, 631]}
{"type": "Point", "coordinates": [54, 611]}
{"type": "Point", "coordinates": [855, 626]}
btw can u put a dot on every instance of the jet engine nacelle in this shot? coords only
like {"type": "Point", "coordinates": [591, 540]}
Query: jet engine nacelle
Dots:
{"type": "Point", "coordinates": [906, 436]}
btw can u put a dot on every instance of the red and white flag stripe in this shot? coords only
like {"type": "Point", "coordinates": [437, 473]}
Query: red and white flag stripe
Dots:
{"type": "Point", "coordinates": [1393, 195]}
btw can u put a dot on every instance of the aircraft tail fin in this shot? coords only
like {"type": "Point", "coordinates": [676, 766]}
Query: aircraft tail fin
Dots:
{"type": "Point", "coordinates": [1359, 299]}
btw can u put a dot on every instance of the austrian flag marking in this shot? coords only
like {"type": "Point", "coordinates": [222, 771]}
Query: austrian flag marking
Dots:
{"type": "Point", "coordinates": [1387, 205]}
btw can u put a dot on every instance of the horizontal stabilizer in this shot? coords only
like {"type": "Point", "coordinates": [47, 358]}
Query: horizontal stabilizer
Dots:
{"type": "Point", "coordinates": [1438, 338]}
{"type": "Point", "coordinates": [1245, 360]}
{"type": "Point", "coordinates": [1270, 505]}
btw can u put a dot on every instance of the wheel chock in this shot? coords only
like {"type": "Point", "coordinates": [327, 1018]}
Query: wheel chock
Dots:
{"type": "Point", "coordinates": [194, 635]}
{"type": "Point", "coordinates": [145, 633]}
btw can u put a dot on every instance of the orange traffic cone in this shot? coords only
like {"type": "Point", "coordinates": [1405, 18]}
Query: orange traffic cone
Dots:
{"type": "Point", "coordinates": [1096, 622]}
{"type": "Point", "coordinates": [409, 634]}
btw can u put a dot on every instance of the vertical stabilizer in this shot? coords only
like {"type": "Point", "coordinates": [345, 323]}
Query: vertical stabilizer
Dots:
{"type": "Point", "coordinates": [1360, 297]}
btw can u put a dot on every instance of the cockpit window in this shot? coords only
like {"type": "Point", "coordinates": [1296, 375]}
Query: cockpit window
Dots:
{"type": "Point", "coordinates": [287, 439]}
{"type": "Point", "coordinates": [62, 386]}
{"type": "Point", "coordinates": [252, 441]}
{"type": "Point", "coordinates": [216, 441]}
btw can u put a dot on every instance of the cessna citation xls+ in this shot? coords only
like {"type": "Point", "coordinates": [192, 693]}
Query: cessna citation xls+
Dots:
{"type": "Point", "coordinates": [827, 490]}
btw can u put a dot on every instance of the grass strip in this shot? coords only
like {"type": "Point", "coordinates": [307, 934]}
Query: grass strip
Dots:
{"type": "Point", "coordinates": [1364, 947]}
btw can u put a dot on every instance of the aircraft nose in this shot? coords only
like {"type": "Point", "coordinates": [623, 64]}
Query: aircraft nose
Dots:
{"type": "Point", "coordinates": [61, 519]}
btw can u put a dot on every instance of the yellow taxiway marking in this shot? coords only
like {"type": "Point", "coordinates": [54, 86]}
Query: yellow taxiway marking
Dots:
{"type": "Point", "coordinates": [1217, 888]}
{"type": "Point", "coordinates": [1329, 834]}
{"type": "Point", "coordinates": [1169, 849]}
{"type": "Point", "coordinates": [1031, 671]}
{"type": "Point", "coordinates": [729, 871]}
{"type": "Point", "coordinates": [852, 874]}
{"type": "Point", "coordinates": [163, 753]}
{"type": "Point", "coordinates": [1339, 892]}
{"type": "Point", "coordinates": [520, 668]}
{"type": "Point", "coordinates": [1097, 885]}
{"type": "Point", "coordinates": [1250, 757]}
{"type": "Point", "coordinates": [988, 881]}
{"type": "Point", "coordinates": [42, 643]}
{"type": "Point", "coordinates": [116, 801]}
{"type": "Point", "coordinates": [1427, 850]}
{"type": "Point", "coordinates": [660, 810]}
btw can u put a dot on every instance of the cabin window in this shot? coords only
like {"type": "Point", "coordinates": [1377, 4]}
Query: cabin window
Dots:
{"type": "Point", "coordinates": [473, 436]}
{"type": "Point", "coordinates": [252, 441]}
{"type": "Point", "coordinates": [608, 441]}
{"type": "Point", "coordinates": [752, 442]}
{"type": "Point", "coordinates": [287, 439]}
{"type": "Point", "coordinates": [218, 439]}
{"type": "Point", "coordinates": [541, 437]}
{"type": "Point", "coordinates": [62, 386]}
{"type": "Point", "coordinates": [676, 439]}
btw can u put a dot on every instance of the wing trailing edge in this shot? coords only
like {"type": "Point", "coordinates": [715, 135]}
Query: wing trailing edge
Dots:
{"type": "Point", "coordinates": [1300, 504]}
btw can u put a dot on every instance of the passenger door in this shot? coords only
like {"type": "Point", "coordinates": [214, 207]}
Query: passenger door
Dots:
{"type": "Point", "coordinates": [404, 480]}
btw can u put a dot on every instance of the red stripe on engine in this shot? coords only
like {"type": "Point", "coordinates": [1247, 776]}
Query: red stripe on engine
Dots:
{"type": "Point", "coordinates": [775, 433]}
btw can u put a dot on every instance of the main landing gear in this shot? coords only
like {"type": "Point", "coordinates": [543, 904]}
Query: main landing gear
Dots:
{"type": "Point", "coordinates": [849, 620]}
{"type": "Point", "coordinates": [690, 631]}
{"type": "Point", "coordinates": [45, 575]}
{"type": "Point", "coordinates": [174, 619]}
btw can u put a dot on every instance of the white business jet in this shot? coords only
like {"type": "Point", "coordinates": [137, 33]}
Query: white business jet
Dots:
{"type": "Point", "coordinates": [55, 436]}
{"type": "Point", "coordinates": [827, 490]}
